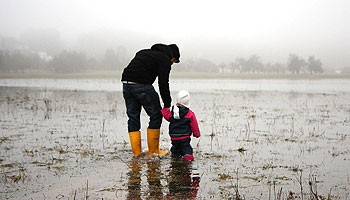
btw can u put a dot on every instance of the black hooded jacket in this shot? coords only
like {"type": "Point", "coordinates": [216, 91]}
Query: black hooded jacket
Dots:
{"type": "Point", "coordinates": [180, 127]}
{"type": "Point", "coordinates": [147, 65]}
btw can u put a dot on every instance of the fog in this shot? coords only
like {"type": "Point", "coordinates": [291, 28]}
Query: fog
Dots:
{"type": "Point", "coordinates": [219, 31]}
{"type": "Point", "coordinates": [269, 82]}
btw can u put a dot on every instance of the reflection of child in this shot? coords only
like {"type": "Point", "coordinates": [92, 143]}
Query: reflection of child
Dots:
{"type": "Point", "coordinates": [183, 123]}
{"type": "Point", "coordinates": [183, 183]}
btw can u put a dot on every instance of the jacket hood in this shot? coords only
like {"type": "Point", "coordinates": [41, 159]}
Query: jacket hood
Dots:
{"type": "Point", "coordinates": [163, 48]}
{"type": "Point", "coordinates": [182, 111]}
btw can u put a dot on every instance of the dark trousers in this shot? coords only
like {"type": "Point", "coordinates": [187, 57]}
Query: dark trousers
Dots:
{"type": "Point", "coordinates": [137, 96]}
{"type": "Point", "coordinates": [181, 147]}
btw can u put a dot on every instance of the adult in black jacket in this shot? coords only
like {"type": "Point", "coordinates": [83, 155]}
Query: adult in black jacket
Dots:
{"type": "Point", "coordinates": [138, 92]}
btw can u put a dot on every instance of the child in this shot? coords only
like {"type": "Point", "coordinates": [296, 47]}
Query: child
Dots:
{"type": "Point", "coordinates": [183, 123]}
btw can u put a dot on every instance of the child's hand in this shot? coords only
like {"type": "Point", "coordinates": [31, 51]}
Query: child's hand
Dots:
{"type": "Point", "coordinates": [197, 135]}
{"type": "Point", "coordinates": [166, 113]}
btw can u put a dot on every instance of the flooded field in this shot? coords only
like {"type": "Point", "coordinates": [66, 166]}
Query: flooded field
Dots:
{"type": "Point", "coordinates": [262, 140]}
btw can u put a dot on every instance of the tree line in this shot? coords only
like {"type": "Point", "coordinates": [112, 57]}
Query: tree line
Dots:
{"type": "Point", "coordinates": [73, 61]}
{"type": "Point", "coordinates": [65, 62]}
{"type": "Point", "coordinates": [254, 64]}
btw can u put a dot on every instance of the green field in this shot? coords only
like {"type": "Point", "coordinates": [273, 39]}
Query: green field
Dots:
{"type": "Point", "coordinates": [103, 74]}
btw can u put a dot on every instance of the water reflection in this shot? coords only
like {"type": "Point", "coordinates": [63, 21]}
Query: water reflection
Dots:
{"type": "Point", "coordinates": [48, 108]}
{"type": "Point", "coordinates": [134, 182]}
{"type": "Point", "coordinates": [180, 183]}
{"type": "Point", "coordinates": [153, 175]}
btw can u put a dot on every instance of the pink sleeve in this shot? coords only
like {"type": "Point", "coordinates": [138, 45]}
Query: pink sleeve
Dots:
{"type": "Point", "coordinates": [166, 113]}
{"type": "Point", "coordinates": [194, 124]}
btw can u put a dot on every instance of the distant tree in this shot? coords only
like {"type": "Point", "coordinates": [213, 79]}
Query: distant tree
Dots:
{"type": "Point", "coordinates": [314, 65]}
{"type": "Point", "coordinates": [345, 70]}
{"type": "Point", "coordinates": [39, 60]}
{"type": "Point", "coordinates": [295, 64]}
{"type": "Point", "coordinates": [268, 68]}
{"type": "Point", "coordinates": [5, 61]}
{"type": "Point", "coordinates": [69, 62]}
{"type": "Point", "coordinates": [185, 65]}
{"type": "Point", "coordinates": [92, 63]}
{"type": "Point", "coordinates": [234, 66]}
{"type": "Point", "coordinates": [17, 62]}
{"type": "Point", "coordinates": [241, 65]}
{"type": "Point", "coordinates": [255, 64]}
{"type": "Point", "coordinates": [203, 65]}
{"type": "Point", "coordinates": [2, 61]}
{"type": "Point", "coordinates": [189, 63]}
{"type": "Point", "coordinates": [222, 67]}
{"type": "Point", "coordinates": [278, 68]}
{"type": "Point", "coordinates": [122, 57]}
{"type": "Point", "coordinates": [110, 60]}
{"type": "Point", "coordinates": [115, 60]}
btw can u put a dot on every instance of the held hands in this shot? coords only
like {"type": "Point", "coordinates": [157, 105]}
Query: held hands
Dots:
{"type": "Point", "coordinates": [197, 135]}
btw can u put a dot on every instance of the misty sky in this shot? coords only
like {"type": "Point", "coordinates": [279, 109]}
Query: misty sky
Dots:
{"type": "Point", "coordinates": [217, 30]}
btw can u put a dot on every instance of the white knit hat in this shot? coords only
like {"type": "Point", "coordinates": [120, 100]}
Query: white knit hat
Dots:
{"type": "Point", "coordinates": [183, 98]}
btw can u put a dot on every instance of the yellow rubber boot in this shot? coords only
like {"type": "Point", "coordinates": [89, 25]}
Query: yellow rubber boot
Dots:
{"type": "Point", "coordinates": [153, 142]}
{"type": "Point", "coordinates": [135, 141]}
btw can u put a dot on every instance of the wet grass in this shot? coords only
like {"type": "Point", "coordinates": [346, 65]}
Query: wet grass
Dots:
{"type": "Point", "coordinates": [265, 145]}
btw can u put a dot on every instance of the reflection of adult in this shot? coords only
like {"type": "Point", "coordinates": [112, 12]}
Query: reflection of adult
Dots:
{"type": "Point", "coordinates": [154, 175]}
{"type": "Point", "coordinates": [182, 182]}
{"type": "Point", "coordinates": [134, 183]}
{"type": "Point", "coordinates": [137, 78]}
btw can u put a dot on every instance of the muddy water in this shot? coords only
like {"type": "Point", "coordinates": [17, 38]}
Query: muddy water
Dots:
{"type": "Point", "coordinates": [65, 144]}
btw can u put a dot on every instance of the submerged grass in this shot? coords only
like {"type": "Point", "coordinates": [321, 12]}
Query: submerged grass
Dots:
{"type": "Point", "coordinates": [86, 139]}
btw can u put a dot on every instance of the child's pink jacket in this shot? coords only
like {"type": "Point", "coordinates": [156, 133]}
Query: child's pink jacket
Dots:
{"type": "Point", "coordinates": [167, 114]}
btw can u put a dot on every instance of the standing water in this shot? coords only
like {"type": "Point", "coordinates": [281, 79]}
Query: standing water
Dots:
{"type": "Point", "coordinates": [261, 139]}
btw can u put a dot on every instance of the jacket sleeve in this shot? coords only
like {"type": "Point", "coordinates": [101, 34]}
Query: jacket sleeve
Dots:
{"type": "Point", "coordinates": [163, 83]}
{"type": "Point", "coordinates": [166, 113]}
{"type": "Point", "coordinates": [194, 125]}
